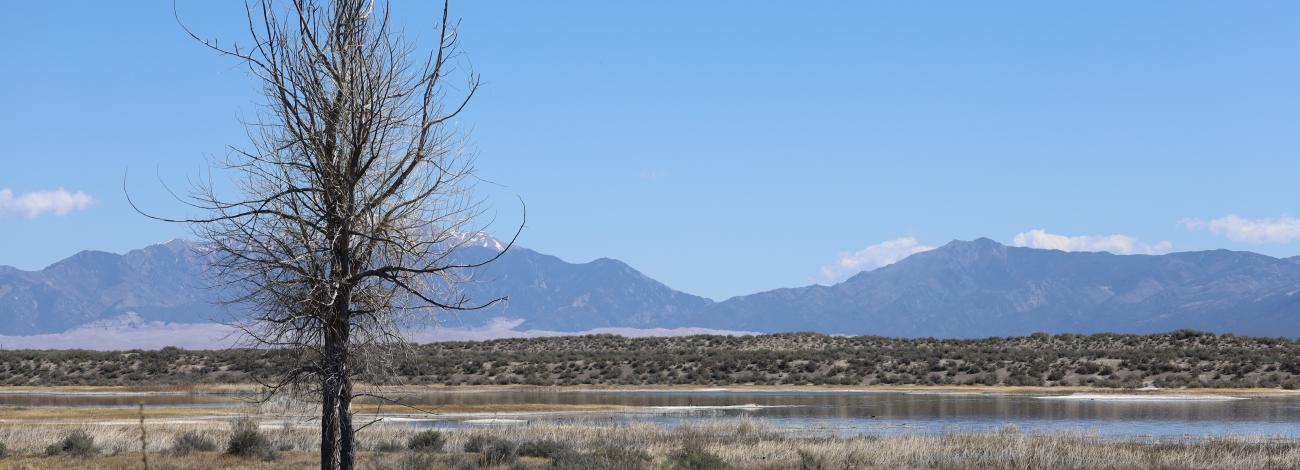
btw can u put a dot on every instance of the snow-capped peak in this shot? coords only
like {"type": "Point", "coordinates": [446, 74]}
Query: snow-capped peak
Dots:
{"type": "Point", "coordinates": [479, 239]}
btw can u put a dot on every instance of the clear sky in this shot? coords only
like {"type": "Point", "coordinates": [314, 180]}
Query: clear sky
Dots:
{"type": "Point", "coordinates": [726, 147]}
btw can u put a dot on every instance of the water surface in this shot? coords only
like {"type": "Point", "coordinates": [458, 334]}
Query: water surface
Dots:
{"type": "Point", "coordinates": [825, 412]}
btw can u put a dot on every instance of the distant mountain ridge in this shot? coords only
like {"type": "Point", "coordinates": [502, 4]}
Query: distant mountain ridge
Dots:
{"type": "Point", "coordinates": [167, 283]}
{"type": "Point", "coordinates": [552, 294]}
{"type": "Point", "coordinates": [983, 288]}
{"type": "Point", "coordinates": [962, 289]}
{"type": "Point", "coordinates": [160, 282]}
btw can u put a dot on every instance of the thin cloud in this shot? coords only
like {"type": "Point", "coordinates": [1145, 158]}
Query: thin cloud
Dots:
{"type": "Point", "coordinates": [1284, 229]}
{"type": "Point", "coordinates": [36, 203]}
{"type": "Point", "coordinates": [1115, 243]}
{"type": "Point", "coordinates": [881, 254]}
{"type": "Point", "coordinates": [652, 175]}
{"type": "Point", "coordinates": [130, 332]}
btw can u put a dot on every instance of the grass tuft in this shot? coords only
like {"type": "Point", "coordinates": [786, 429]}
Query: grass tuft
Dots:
{"type": "Point", "coordinates": [693, 457]}
{"type": "Point", "coordinates": [427, 441]}
{"type": "Point", "coordinates": [247, 441]}
{"type": "Point", "coordinates": [189, 442]}
{"type": "Point", "coordinates": [76, 444]}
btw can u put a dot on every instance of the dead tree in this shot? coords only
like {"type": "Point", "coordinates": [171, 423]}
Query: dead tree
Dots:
{"type": "Point", "coordinates": [351, 196]}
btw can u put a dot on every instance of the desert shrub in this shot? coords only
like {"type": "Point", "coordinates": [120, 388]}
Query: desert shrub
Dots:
{"type": "Point", "coordinates": [427, 441]}
{"type": "Point", "coordinates": [494, 450]}
{"type": "Point", "coordinates": [694, 457]}
{"type": "Point", "coordinates": [544, 448]}
{"type": "Point", "coordinates": [389, 447]}
{"type": "Point", "coordinates": [75, 444]}
{"type": "Point", "coordinates": [247, 441]}
{"type": "Point", "coordinates": [190, 441]}
{"type": "Point", "coordinates": [604, 458]}
{"type": "Point", "coordinates": [500, 452]}
{"type": "Point", "coordinates": [477, 442]}
{"type": "Point", "coordinates": [4, 450]}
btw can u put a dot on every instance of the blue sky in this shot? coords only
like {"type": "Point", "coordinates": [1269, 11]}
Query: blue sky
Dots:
{"type": "Point", "coordinates": [726, 147]}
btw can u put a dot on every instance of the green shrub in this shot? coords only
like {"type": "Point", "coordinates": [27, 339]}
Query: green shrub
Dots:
{"type": "Point", "coordinates": [4, 450]}
{"type": "Point", "coordinates": [190, 441]}
{"type": "Point", "coordinates": [427, 441]}
{"type": "Point", "coordinates": [247, 441]}
{"type": "Point", "coordinates": [544, 448]}
{"type": "Point", "coordinates": [693, 457]}
{"type": "Point", "coordinates": [75, 444]}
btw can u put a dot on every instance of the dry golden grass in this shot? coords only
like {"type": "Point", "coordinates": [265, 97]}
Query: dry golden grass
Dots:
{"type": "Point", "coordinates": [196, 461]}
{"type": "Point", "coordinates": [744, 444]}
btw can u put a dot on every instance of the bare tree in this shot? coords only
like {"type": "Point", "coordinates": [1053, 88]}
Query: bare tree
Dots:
{"type": "Point", "coordinates": [352, 196]}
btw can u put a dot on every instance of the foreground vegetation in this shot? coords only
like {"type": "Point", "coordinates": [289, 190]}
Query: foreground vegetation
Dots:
{"type": "Point", "coordinates": [740, 445]}
{"type": "Point", "coordinates": [1178, 359]}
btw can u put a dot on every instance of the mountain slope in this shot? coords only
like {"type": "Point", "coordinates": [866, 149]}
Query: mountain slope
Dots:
{"type": "Point", "coordinates": [161, 282]}
{"type": "Point", "coordinates": [166, 283]}
{"type": "Point", "coordinates": [982, 288]}
{"type": "Point", "coordinates": [963, 289]}
{"type": "Point", "coordinates": [552, 294]}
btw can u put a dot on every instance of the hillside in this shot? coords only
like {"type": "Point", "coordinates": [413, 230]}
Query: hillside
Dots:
{"type": "Point", "coordinates": [167, 283]}
{"type": "Point", "coordinates": [1171, 360]}
{"type": "Point", "coordinates": [982, 288]}
{"type": "Point", "coordinates": [963, 289]}
{"type": "Point", "coordinates": [160, 282]}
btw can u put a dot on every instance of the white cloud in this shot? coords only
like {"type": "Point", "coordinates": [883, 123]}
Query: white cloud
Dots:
{"type": "Point", "coordinates": [1116, 243]}
{"type": "Point", "coordinates": [32, 204]}
{"type": "Point", "coordinates": [1284, 229]}
{"type": "Point", "coordinates": [881, 254]}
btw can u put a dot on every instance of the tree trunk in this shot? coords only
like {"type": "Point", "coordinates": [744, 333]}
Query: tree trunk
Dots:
{"type": "Point", "coordinates": [329, 429]}
{"type": "Point", "coordinates": [337, 447]}
{"type": "Point", "coordinates": [347, 447]}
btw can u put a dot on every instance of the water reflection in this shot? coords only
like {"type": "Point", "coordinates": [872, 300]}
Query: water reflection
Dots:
{"type": "Point", "coordinates": [834, 412]}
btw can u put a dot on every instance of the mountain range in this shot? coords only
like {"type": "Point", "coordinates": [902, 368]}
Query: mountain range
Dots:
{"type": "Point", "coordinates": [963, 289]}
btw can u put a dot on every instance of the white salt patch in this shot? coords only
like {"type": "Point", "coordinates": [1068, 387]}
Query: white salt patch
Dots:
{"type": "Point", "coordinates": [747, 406]}
{"type": "Point", "coordinates": [1120, 397]}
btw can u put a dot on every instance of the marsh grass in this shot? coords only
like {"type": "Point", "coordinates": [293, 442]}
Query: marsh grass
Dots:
{"type": "Point", "coordinates": [742, 445]}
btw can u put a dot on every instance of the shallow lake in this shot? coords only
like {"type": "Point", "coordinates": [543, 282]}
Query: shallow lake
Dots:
{"type": "Point", "coordinates": [841, 413]}
{"type": "Point", "coordinates": [851, 413]}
